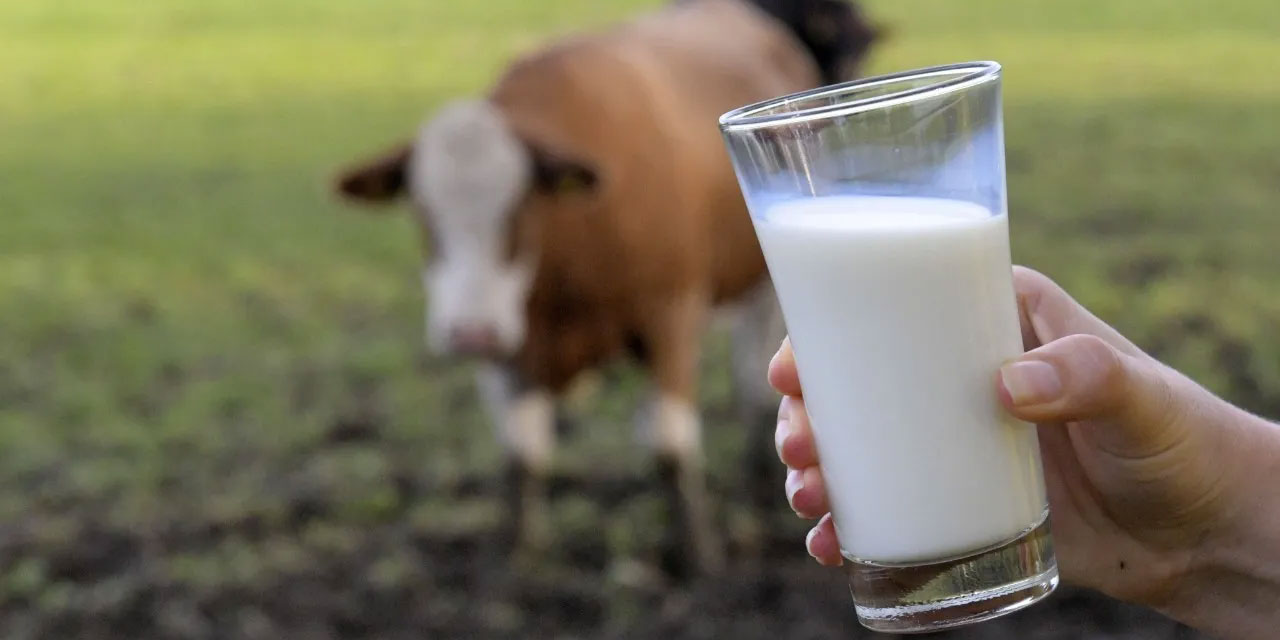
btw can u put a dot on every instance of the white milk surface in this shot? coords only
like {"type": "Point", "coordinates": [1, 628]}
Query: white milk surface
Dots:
{"type": "Point", "coordinates": [901, 310]}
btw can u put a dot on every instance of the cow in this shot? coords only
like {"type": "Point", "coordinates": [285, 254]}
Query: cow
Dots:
{"type": "Point", "coordinates": [585, 210]}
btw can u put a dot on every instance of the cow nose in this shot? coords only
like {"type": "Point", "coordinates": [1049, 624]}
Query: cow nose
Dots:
{"type": "Point", "coordinates": [474, 339]}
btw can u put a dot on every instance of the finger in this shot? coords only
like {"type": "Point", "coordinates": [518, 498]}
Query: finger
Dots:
{"type": "Point", "coordinates": [782, 370]}
{"type": "Point", "coordinates": [822, 544]}
{"type": "Point", "coordinates": [807, 493]}
{"type": "Point", "coordinates": [1084, 377]}
{"type": "Point", "coordinates": [1048, 313]}
{"type": "Point", "coordinates": [793, 438]}
{"type": "Point", "coordinates": [1068, 493]}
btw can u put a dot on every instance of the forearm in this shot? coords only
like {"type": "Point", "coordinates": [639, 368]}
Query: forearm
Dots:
{"type": "Point", "coordinates": [1232, 589]}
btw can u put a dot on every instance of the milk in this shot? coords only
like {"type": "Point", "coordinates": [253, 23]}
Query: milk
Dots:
{"type": "Point", "coordinates": [901, 310]}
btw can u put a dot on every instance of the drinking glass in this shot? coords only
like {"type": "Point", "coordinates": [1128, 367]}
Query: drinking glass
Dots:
{"type": "Point", "coordinates": [880, 206]}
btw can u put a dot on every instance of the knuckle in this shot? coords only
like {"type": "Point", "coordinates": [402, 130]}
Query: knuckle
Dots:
{"type": "Point", "coordinates": [1096, 374]}
{"type": "Point", "coordinates": [1170, 407]}
{"type": "Point", "coordinates": [1100, 356]}
{"type": "Point", "coordinates": [1029, 281]}
{"type": "Point", "coordinates": [1031, 285]}
{"type": "Point", "coordinates": [799, 419]}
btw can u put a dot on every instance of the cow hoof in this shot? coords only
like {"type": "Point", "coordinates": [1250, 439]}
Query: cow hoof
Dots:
{"type": "Point", "coordinates": [709, 560]}
{"type": "Point", "coordinates": [529, 529]}
{"type": "Point", "coordinates": [684, 560]}
{"type": "Point", "coordinates": [535, 534]}
{"type": "Point", "coordinates": [698, 550]}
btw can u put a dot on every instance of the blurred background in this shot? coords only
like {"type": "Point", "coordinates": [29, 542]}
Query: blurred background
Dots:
{"type": "Point", "coordinates": [216, 420]}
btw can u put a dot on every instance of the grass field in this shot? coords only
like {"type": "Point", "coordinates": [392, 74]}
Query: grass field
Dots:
{"type": "Point", "coordinates": [213, 403]}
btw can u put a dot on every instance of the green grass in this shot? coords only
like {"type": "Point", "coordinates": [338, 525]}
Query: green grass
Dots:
{"type": "Point", "coordinates": [185, 312]}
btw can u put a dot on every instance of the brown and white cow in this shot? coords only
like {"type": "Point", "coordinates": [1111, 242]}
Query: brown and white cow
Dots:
{"type": "Point", "coordinates": [586, 209]}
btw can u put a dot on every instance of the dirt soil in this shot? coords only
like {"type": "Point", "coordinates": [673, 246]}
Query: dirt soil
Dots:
{"type": "Point", "coordinates": [397, 580]}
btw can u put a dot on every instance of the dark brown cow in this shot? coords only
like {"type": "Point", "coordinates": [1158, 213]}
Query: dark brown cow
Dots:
{"type": "Point", "coordinates": [586, 209]}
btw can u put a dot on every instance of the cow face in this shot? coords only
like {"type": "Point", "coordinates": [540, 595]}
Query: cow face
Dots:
{"type": "Point", "coordinates": [480, 194]}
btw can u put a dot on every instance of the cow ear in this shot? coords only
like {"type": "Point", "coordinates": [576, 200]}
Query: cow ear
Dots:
{"type": "Point", "coordinates": [377, 180]}
{"type": "Point", "coordinates": [559, 174]}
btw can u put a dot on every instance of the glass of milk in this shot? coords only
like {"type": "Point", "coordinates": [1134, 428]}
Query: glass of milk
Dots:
{"type": "Point", "coordinates": [880, 206]}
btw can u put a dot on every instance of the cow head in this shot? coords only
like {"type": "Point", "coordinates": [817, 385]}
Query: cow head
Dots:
{"type": "Point", "coordinates": [481, 194]}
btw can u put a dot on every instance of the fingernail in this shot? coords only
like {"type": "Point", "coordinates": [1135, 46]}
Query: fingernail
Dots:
{"type": "Point", "coordinates": [808, 543]}
{"type": "Point", "coordinates": [1031, 382]}
{"type": "Point", "coordinates": [809, 478]}
{"type": "Point", "coordinates": [780, 435]}
{"type": "Point", "coordinates": [795, 482]}
{"type": "Point", "coordinates": [783, 430]}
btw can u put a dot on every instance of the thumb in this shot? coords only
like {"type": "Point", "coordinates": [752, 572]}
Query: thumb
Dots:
{"type": "Point", "coordinates": [1084, 377]}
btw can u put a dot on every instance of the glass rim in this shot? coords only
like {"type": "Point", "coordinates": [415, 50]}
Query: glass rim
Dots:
{"type": "Point", "coordinates": [951, 78]}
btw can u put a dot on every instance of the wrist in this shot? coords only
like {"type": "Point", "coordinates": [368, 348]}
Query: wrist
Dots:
{"type": "Point", "coordinates": [1232, 582]}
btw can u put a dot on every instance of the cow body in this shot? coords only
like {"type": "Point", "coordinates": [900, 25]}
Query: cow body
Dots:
{"type": "Point", "coordinates": [586, 209]}
{"type": "Point", "coordinates": [665, 226]}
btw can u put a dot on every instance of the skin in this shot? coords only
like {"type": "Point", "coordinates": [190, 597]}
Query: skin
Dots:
{"type": "Point", "coordinates": [1161, 493]}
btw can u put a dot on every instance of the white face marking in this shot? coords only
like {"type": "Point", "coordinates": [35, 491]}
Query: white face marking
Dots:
{"type": "Point", "coordinates": [467, 174]}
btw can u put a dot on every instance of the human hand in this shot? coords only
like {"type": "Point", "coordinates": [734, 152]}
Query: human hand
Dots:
{"type": "Point", "coordinates": [1145, 470]}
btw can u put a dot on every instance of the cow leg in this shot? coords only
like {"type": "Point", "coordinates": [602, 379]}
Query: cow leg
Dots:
{"type": "Point", "coordinates": [525, 420]}
{"type": "Point", "coordinates": [676, 431]}
{"type": "Point", "coordinates": [673, 429]}
{"type": "Point", "coordinates": [757, 330]}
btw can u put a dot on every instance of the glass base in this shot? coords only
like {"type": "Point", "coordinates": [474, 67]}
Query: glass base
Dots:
{"type": "Point", "coordinates": [918, 598]}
